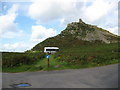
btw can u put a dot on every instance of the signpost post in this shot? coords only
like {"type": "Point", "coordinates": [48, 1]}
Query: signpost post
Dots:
{"type": "Point", "coordinates": [48, 57]}
{"type": "Point", "coordinates": [48, 63]}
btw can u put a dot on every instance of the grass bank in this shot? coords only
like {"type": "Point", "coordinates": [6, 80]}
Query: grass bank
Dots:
{"type": "Point", "coordinates": [85, 56]}
{"type": "Point", "coordinates": [41, 65]}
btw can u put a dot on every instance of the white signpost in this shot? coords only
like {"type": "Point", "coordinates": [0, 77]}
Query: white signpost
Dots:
{"type": "Point", "coordinates": [50, 50]}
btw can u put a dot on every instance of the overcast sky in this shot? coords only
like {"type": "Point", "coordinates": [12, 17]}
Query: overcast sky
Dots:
{"type": "Point", "coordinates": [24, 24]}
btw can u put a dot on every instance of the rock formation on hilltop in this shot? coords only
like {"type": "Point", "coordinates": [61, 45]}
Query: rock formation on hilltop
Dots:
{"type": "Point", "coordinates": [79, 33]}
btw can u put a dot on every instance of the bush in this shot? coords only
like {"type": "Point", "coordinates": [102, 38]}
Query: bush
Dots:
{"type": "Point", "coordinates": [97, 54]}
{"type": "Point", "coordinates": [14, 59]}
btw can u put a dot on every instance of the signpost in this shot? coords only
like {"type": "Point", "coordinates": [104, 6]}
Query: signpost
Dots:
{"type": "Point", "coordinates": [48, 57]}
{"type": "Point", "coordinates": [48, 51]}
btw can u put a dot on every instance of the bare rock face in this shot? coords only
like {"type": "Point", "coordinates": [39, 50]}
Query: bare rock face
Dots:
{"type": "Point", "coordinates": [96, 35]}
{"type": "Point", "coordinates": [86, 32]}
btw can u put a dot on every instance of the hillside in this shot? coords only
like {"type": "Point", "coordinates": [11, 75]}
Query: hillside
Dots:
{"type": "Point", "coordinates": [81, 46]}
{"type": "Point", "coordinates": [77, 34]}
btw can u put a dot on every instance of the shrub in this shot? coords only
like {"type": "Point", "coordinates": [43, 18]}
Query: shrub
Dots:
{"type": "Point", "coordinates": [91, 53]}
{"type": "Point", "coordinates": [14, 59]}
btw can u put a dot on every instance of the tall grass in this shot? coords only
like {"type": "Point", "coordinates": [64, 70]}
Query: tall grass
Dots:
{"type": "Point", "coordinates": [14, 59]}
{"type": "Point", "coordinates": [82, 56]}
{"type": "Point", "coordinates": [97, 54]}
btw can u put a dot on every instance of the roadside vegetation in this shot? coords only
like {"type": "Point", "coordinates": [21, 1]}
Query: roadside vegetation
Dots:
{"type": "Point", "coordinates": [97, 54]}
{"type": "Point", "coordinates": [78, 49]}
{"type": "Point", "coordinates": [67, 58]}
{"type": "Point", "coordinates": [20, 61]}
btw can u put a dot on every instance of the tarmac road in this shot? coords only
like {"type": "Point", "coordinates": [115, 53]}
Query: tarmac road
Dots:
{"type": "Point", "coordinates": [98, 77]}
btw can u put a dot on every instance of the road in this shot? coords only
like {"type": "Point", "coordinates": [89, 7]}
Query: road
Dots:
{"type": "Point", "coordinates": [98, 77]}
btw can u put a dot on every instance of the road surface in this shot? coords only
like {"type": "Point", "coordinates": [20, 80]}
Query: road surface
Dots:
{"type": "Point", "coordinates": [98, 77]}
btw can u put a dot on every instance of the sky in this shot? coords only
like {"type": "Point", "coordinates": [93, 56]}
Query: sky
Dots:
{"type": "Point", "coordinates": [25, 23]}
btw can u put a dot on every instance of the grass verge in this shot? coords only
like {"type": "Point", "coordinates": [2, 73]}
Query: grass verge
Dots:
{"type": "Point", "coordinates": [54, 65]}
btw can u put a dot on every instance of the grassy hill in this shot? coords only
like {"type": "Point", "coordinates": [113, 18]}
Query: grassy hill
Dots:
{"type": "Point", "coordinates": [85, 56]}
{"type": "Point", "coordinates": [81, 45]}
{"type": "Point", "coordinates": [77, 34]}
{"type": "Point", "coordinates": [96, 54]}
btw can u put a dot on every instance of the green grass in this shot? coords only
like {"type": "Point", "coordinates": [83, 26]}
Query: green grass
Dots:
{"type": "Point", "coordinates": [22, 68]}
{"type": "Point", "coordinates": [41, 65]}
{"type": "Point", "coordinates": [103, 53]}
{"type": "Point", "coordinates": [14, 59]}
{"type": "Point", "coordinates": [72, 58]}
{"type": "Point", "coordinates": [64, 65]}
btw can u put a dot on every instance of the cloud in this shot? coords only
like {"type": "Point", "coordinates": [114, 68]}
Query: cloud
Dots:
{"type": "Point", "coordinates": [40, 33]}
{"type": "Point", "coordinates": [47, 10]}
{"type": "Point", "coordinates": [16, 47]}
{"type": "Point", "coordinates": [114, 30]}
{"type": "Point", "coordinates": [91, 11]}
{"type": "Point", "coordinates": [8, 27]}
{"type": "Point", "coordinates": [99, 9]}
